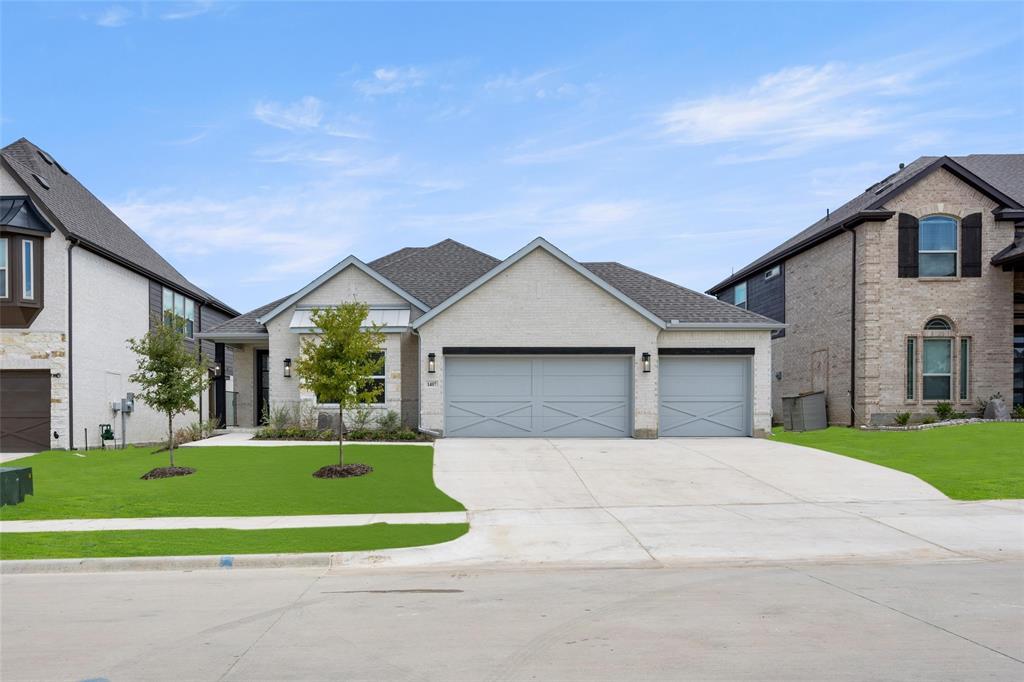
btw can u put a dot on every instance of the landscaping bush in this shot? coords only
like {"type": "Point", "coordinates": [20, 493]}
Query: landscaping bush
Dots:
{"type": "Point", "coordinates": [928, 420]}
{"type": "Point", "coordinates": [389, 421]}
{"type": "Point", "coordinates": [944, 411]}
{"type": "Point", "coordinates": [382, 435]}
{"type": "Point", "coordinates": [982, 403]}
{"type": "Point", "coordinates": [294, 432]}
{"type": "Point", "coordinates": [902, 419]}
{"type": "Point", "coordinates": [1018, 412]}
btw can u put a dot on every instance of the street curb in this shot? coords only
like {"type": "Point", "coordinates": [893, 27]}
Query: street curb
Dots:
{"type": "Point", "coordinates": [165, 563]}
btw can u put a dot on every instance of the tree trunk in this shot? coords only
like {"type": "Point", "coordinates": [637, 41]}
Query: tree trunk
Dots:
{"type": "Point", "coordinates": [341, 436]}
{"type": "Point", "coordinates": [170, 436]}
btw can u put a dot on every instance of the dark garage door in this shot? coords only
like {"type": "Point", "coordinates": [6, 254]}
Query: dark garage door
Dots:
{"type": "Point", "coordinates": [704, 396]}
{"type": "Point", "coordinates": [24, 410]}
{"type": "Point", "coordinates": [542, 397]}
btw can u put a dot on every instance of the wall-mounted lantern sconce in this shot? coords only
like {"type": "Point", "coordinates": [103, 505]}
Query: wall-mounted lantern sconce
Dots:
{"type": "Point", "coordinates": [215, 369]}
{"type": "Point", "coordinates": [287, 367]}
{"type": "Point", "coordinates": [646, 359]}
{"type": "Point", "coordinates": [431, 363]}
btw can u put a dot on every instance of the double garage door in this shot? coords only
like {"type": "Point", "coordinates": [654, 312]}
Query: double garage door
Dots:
{"type": "Point", "coordinates": [590, 397]}
{"type": "Point", "coordinates": [24, 410]}
{"type": "Point", "coordinates": [540, 397]}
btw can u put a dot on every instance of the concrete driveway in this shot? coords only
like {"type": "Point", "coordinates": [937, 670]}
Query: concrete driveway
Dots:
{"type": "Point", "coordinates": [680, 501]}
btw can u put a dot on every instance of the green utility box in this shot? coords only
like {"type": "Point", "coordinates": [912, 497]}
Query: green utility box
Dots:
{"type": "Point", "coordinates": [15, 484]}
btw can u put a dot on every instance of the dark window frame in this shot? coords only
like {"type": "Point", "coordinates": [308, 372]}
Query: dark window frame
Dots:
{"type": "Point", "coordinates": [19, 311]}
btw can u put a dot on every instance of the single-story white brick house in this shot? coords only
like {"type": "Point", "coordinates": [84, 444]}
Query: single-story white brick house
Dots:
{"type": "Point", "coordinates": [535, 345]}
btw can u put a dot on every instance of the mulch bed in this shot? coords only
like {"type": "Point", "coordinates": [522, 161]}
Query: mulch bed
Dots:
{"type": "Point", "coordinates": [342, 471]}
{"type": "Point", "coordinates": [167, 472]}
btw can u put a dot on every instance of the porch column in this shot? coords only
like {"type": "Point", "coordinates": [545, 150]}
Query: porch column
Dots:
{"type": "Point", "coordinates": [219, 385]}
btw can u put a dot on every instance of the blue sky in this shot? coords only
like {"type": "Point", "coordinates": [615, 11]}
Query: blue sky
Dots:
{"type": "Point", "coordinates": [256, 144]}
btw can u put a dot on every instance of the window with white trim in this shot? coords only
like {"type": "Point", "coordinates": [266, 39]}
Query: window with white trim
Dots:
{"type": "Point", "coordinates": [937, 246]}
{"type": "Point", "coordinates": [182, 306]}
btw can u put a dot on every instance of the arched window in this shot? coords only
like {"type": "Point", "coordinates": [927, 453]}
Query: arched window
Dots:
{"type": "Point", "coordinates": [938, 324]}
{"type": "Point", "coordinates": [937, 246]}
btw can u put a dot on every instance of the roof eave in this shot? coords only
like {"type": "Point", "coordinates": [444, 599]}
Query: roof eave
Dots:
{"type": "Point", "coordinates": [350, 261]}
{"type": "Point", "coordinates": [873, 215]}
{"type": "Point", "coordinates": [228, 337]}
{"type": "Point", "coordinates": [727, 326]}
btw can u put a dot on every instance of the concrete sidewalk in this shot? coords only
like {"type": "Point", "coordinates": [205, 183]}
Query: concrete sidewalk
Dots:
{"type": "Point", "coordinates": [232, 522]}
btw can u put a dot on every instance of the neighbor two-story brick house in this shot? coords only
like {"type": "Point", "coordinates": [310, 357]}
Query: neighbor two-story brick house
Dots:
{"type": "Point", "coordinates": [75, 283]}
{"type": "Point", "coordinates": [908, 295]}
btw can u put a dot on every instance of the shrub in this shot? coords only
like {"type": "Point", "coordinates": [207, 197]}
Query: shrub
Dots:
{"type": "Point", "coordinates": [294, 432]}
{"type": "Point", "coordinates": [360, 419]}
{"type": "Point", "coordinates": [902, 419]}
{"type": "Point", "coordinates": [1018, 412]}
{"type": "Point", "coordinates": [382, 435]}
{"type": "Point", "coordinates": [389, 421]}
{"type": "Point", "coordinates": [281, 416]}
{"type": "Point", "coordinates": [982, 403]}
{"type": "Point", "coordinates": [944, 411]}
{"type": "Point", "coordinates": [928, 420]}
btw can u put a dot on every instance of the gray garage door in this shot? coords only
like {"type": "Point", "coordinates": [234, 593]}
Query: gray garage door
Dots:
{"type": "Point", "coordinates": [529, 396]}
{"type": "Point", "coordinates": [704, 396]}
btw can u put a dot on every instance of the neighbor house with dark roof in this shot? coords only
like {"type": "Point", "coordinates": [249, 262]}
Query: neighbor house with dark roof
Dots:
{"type": "Point", "coordinates": [536, 344]}
{"type": "Point", "coordinates": [75, 283]}
{"type": "Point", "coordinates": [909, 295]}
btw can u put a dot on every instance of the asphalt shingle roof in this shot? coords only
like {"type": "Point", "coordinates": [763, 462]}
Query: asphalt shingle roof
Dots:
{"type": "Point", "coordinates": [670, 301]}
{"type": "Point", "coordinates": [432, 274]}
{"type": "Point", "coordinates": [247, 323]}
{"type": "Point", "coordinates": [1005, 172]}
{"type": "Point", "coordinates": [84, 216]}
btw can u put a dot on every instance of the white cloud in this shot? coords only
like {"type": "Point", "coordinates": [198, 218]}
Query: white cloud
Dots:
{"type": "Point", "coordinates": [114, 16]}
{"type": "Point", "coordinates": [391, 80]}
{"type": "Point", "coordinates": [537, 85]}
{"type": "Point", "coordinates": [531, 155]}
{"type": "Point", "coordinates": [304, 114]}
{"type": "Point", "coordinates": [787, 112]}
{"type": "Point", "coordinates": [189, 10]}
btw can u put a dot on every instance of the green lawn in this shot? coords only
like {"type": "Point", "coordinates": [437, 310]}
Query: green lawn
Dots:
{"type": "Point", "coordinates": [229, 481]}
{"type": "Point", "coordinates": [220, 541]}
{"type": "Point", "coordinates": [970, 462]}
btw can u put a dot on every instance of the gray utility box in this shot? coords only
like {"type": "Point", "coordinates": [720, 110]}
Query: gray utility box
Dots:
{"type": "Point", "coordinates": [804, 412]}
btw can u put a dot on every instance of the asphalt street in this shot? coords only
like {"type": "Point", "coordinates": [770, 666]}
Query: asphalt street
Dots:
{"type": "Point", "coordinates": [949, 620]}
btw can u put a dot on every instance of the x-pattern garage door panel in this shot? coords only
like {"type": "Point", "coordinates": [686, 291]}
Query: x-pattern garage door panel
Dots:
{"type": "Point", "coordinates": [537, 397]}
{"type": "Point", "coordinates": [24, 410]}
{"type": "Point", "coordinates": [704, 396]}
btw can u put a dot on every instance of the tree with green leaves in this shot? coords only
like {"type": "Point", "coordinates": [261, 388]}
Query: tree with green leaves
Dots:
{"type": "Point", "coordinates": [169, 374]}
{"type": "Point", "coordinates": [338, 364]}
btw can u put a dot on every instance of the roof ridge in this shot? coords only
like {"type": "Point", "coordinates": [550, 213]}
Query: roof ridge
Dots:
{"type": "Point", "coordinates": [465, 246]}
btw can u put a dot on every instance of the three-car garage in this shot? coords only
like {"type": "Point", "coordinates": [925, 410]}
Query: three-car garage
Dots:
{"type": "Point", "coordinates": [582, 393]}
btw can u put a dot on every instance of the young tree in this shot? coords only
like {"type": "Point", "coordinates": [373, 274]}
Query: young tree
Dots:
{"type": "Point", "coordinates": [339, 363]}
{"type": "Point", "coordinates": [169, 374]}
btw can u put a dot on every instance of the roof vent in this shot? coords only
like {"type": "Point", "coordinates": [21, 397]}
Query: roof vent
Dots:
{"type": "Point", "coordinates": [884, 187]}
{"type": "Point", "coordinates": [62, 168]}
{"type": "Point", "coordinates": [46, 157]}
{"type": "Point", "coordinates": [41, 181]}
{"type": "Point", "coordinates": [902, 165]}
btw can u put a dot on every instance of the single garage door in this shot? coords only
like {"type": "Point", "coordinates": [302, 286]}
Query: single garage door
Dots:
{"type": "Point", "coordinates": [24, 410]}
{"type": "Point", "coordinates": [704, 396]}
{"type": "Point", "coordinates": [544, 397]}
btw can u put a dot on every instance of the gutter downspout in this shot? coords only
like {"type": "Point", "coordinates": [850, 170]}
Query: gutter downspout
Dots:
{"type": "Point", "coordinates": [71, 372]}
{"type": "Point", "coordinates": [853, 323]}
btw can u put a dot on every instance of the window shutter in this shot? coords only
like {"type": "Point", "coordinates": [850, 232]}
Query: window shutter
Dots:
{"type": "Point", "coordinates": [970, 246]}
{"type": "Point", "coordinates": [907, 245]}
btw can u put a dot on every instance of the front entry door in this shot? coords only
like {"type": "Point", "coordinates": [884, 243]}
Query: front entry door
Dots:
{"type": "Point", "coordinates": [262, 386]}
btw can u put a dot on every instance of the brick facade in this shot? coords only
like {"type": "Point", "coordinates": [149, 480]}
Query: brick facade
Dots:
{"type": "Point", "coordinates": [815, 353]}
